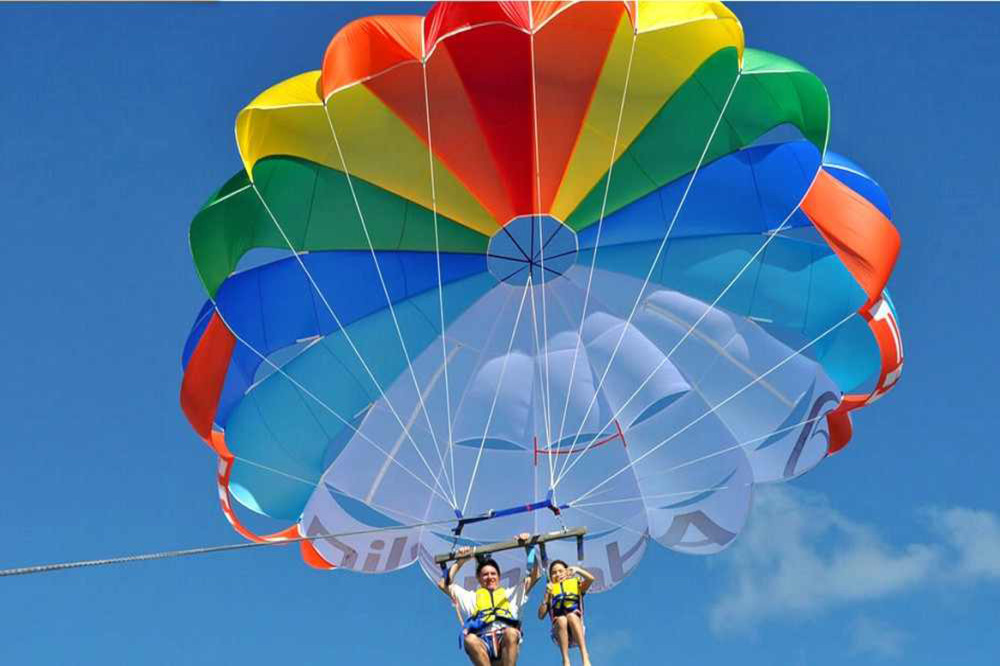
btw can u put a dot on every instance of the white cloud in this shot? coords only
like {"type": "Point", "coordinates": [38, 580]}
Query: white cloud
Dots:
{"type": "Point", "coordinates": [975, 536]}
{"type": "Point", "coordinates": [872, 637]}
{"type": "Point", "coordinates": [607, 645]}
{"type": "Point", "coordinates": [800, 557]}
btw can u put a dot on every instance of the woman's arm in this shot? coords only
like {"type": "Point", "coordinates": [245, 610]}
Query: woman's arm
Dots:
{"type": "Point", "coordinates": [588, 578]}
{"type": "Point", "coordinates": [543, 610]}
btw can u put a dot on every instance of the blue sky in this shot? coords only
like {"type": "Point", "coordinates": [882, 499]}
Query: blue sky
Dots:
{"type": "Point", "coordinates": [117, 124]}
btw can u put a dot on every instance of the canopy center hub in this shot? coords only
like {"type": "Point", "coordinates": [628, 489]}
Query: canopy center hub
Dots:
{"type": "Point", "coordinates": [535, 247]}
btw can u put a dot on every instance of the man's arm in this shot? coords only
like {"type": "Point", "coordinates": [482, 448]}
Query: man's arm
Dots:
{"type": "Point", "coordinates": [463, 557]}
{"type": "Point", "coordinates": [533, 577]}
{"type": "Point", "coordinates": [535, 573]}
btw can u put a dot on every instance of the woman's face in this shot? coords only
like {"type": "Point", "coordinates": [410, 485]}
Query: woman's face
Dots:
{"type": "Point", "coordinates": [557, 573]}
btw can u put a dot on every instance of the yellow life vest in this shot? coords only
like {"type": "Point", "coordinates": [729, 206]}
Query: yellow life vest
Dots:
{"type": "Point", "coordinates": [565, 595]}
{"type": "Point", "coordinates": [494, 607]}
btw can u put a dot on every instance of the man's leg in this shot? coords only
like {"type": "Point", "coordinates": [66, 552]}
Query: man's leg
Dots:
{"type": "Point", "coordinates": [560, 626]}
{"type": "Point", "coordinates": [575, 623]}
{"type": "Point", "coordinates": [511, 646]}
{"type": "Point", "coordinates": [476, 650]}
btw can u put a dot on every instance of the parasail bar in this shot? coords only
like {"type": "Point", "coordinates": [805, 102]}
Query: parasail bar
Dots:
{"type": "Point", "coordinates": [576, 532]}
{"type": "Point", "coordinates": [548, 503]}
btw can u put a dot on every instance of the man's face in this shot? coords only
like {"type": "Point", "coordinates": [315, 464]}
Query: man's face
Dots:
{"type": "Point", "coordinates": [489, 577]}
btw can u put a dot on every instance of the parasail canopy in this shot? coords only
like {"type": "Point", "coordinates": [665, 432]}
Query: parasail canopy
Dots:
{"type": "Point", "coordinates": [591, 251]}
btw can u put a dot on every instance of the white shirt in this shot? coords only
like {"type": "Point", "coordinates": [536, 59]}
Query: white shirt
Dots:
{"type": "Point", "coordinates": [466, 599]}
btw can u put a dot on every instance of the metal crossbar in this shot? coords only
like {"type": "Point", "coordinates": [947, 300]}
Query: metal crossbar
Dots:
{"type": "Point", "coordinates": [573, 533]}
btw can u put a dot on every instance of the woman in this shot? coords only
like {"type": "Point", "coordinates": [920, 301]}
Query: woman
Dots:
{"type": "Point", "coordinates": [563, 602]}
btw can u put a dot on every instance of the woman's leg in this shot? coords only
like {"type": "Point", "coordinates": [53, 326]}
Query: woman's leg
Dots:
{"type": "Point", "coordinates": [560, 628]}
{"type": "Point", "coordinates": [575, 625]}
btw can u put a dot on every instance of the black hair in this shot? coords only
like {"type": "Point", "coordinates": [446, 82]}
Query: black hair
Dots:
{"type": "Point", "coordinates": [554, 563]}
{"type": "Point", "coordinates": [487, 562]}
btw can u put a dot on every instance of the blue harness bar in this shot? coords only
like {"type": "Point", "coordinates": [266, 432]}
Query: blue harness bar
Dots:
{"type": "Point", "coordinates": [547, 503]}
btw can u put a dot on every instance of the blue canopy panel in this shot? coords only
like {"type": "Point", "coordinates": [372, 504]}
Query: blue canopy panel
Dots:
{"type": "Point", "coordinates": [200, 323]}
{"type": "Point", "coordinates": [750, 191]}
{"type": "Point", "coordinates": [794, 289]}
{"type": "Point", "coordinates": [275, 306]}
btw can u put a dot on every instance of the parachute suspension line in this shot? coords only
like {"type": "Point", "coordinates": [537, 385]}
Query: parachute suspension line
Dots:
{"type": "Point", "coordinates": [343, 329]}
{"type": "Point", "coordinates": [437, 255]}
{"type": "Point", "coordinates": [649, 274]}
{"type": "Point", "coordinates": [496, 395]}
{"type": "Point", "coordinates": [695, 461]}
{"type": "Point", "coordinates": [61, 566]}
{"type": "Point", "coordinates": [534, 331]}
{"type": "Point", "coordinates": [607, 521]}
{"type": "Point", "coordinates": [334, 413]}
{"type": "Point", "coordinates": [600, 226]}
{"type": "Point", "coordinates": [487, 341]}
{"type": "Point", "coordinates": [679, 493]}
{"type": "Point", "coordinates": [329, 488]}
{"type": "Point", "coordinates": [429, 386]}
{"type": "Point", "coordinates": [385, 289]}
{"type": "Point", "coordinates": [770, 237]}
{"type": "Point", "coordinates": [724, 402]}
{"type": "Point", "coordinates": [547, 398]}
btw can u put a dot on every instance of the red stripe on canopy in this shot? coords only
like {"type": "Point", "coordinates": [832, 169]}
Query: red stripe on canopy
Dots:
{"type": "Point", "coordinates": [868, 245]}
{"type": "Point", "coordinates": [570, 52]}
{"type": "Point", "coordinates": [368, 46]}
{"type": "Point", "coordinates": [448, 17]}
{"type": "Point", "coordinates": [863, 238]}
{"type": "Point", "coordinates": [494, 65]}
{"type": "Point", "coordinates": [205, 375]}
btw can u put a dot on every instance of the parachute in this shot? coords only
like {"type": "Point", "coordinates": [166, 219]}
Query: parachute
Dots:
{"type": "Point", "coordinates": [592, 260]}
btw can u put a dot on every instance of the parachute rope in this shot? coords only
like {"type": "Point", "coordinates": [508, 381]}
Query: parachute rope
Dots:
{"type": "Point", "coordinates": [437, 256]}
{"type": "Point", "coordinates": [695, 461]}
{"type": "Point", "coordinates": [711, 411]}
{"type": "Point", "coordinates": [597, 243]}
{"type": "Point", "coordinates": [711, 308]}
{"type": "Point", "coordinates": [576, 504]}
{"type": "Point", "coordinates": [496, 394]}
{"type": "Point", "coordinates": [314, 484]}
{"type": "Point", "coordinates": [385, 291]}
{"type": "Point", "coordinates": [656, 259]}
{"type": "Point", "coordinates": [548, 432]}
{"type": "Point", "coordinates": [347, 338]}
{"type": "Point", "coordinates": [547, 395]}
{"type": "Point", "coordinates": [204, 550]}
{"type": "Point", "coordinates": [325, 406]}
{"type": "Point", "coordinates": [613, 523]}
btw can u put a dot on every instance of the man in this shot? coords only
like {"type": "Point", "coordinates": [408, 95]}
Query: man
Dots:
{"type": "Point", "coordinates": [492, 630]}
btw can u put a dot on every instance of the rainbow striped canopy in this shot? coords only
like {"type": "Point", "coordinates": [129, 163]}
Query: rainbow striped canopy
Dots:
{"type": "Point", "coordinates": [591, 253]}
